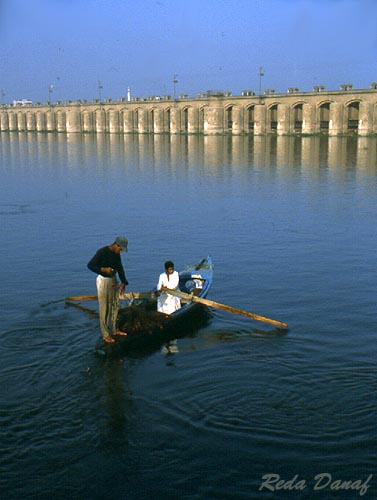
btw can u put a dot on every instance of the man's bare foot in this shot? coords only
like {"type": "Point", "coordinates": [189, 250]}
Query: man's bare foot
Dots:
{"type": "Point", "coordinates": [108, 340]}
{"type": "Point", "coordinates": [121, 334]}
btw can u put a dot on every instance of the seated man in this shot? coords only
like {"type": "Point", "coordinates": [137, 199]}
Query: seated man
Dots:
{"type": "Point", "coordinates": [167, 303]}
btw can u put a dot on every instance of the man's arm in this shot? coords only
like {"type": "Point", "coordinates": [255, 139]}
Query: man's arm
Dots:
{"type": "Point", "coordinates": [95, 263]}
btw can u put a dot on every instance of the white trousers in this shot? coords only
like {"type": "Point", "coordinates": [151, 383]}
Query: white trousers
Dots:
{"type": "Point", "coordinates": [108, 300]}
{"type": "Point", "coordinates": [168, 303]}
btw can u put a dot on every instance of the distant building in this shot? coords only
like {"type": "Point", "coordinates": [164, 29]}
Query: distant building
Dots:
{"type": "Point", "coordinates": [345, 87]}
{"type": "Point", "coordinates": [319, 88]}
{"type": "Point", "coordinates": [23, 102]}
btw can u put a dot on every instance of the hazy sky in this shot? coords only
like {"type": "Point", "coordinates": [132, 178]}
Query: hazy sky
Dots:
{"type": "Point", "coordinates": [209, 44]}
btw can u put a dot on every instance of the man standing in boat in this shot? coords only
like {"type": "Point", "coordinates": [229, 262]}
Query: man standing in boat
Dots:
{"type": "Point", "coordinates": [166, 303]}
{"type": "Point", "coordinates": [106, 263]}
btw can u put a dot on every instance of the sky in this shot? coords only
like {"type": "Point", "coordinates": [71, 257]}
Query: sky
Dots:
{"type": "Point", "coordinates": [85, 49]}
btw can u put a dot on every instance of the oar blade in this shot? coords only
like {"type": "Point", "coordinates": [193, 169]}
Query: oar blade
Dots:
{"type": "Point", "coordinates": [224, 307]}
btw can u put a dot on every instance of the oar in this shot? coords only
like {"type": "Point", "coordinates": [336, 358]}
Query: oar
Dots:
{"type": "Point", "coordinates": [82, 308]}
{"type": "Point", "coordinates": [188, 298]}
{"type": "Point", "coordinates": [210, 303]}
{"type": "Point", "coordinates": [83, 297]}
{"type": "Point", "coordinates": [125, 296]}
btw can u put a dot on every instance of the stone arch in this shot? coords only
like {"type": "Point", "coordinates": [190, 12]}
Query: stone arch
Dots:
{"type": "Point", "coordinates": [272, 117]}
{"type": "Point", "coordinates": [250, 118]}
{"type": "Point", "coordinates": [374, 118]}
{"type": "Point", "coordinates": [100, 119]}
{"type": "Point", "coordinates": [167, 120]}
{"type": "Point", "coordinates": [297, 117]}
{"type": "Point", "coordinates": [229, 118]}
{"type": "Point", "coordinates": [324, 115]}
{"type": "Point", "coordinates": [201, 119]}
{"type": "Point", "coordinates": [141, 120]}
{"type": "Point", "coordinates": [136, 120]}
{"type": "Point", "coordinates": [126, 117]}
{"type": "Point", "coordinates": [185, 119]}
{"type": "Point", "coordinates": [151, 117]}
{"type": "Point", "coordinates": [352, 115]}
{"type": "Point", "coordinates": [156, 120]}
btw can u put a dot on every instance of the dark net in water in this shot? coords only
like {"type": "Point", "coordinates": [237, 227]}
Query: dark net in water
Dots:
{"type": "Point", "coordinates": [141, 319]}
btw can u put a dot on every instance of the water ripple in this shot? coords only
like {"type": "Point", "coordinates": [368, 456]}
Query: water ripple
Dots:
{"type": "Point", "coordinates": [271, 401]}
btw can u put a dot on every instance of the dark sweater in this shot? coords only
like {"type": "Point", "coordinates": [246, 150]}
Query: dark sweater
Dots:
{"type": "Point", "coordinates": [104, 257]}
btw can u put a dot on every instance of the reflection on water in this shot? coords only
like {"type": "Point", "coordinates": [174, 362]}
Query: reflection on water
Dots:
{"type": "Point", "coordinates": [115, 397]}
{"type": "Point", "coordinates": [313, 152]}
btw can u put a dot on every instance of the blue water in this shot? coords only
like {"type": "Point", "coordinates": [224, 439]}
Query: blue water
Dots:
{"type": "Point", "coordinates": [290, 224]}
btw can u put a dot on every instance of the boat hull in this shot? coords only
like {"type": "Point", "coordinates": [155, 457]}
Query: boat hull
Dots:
{"type": "Point", "coordinates": [148, 329]}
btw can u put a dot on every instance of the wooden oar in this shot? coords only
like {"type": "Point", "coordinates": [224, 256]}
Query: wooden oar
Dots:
{"type": "Point", "coordinates": [82, 308]}
{"type": "Point", "coordinates": [210, 303]}
{"type": "Point", "coordinates": [83, 297]}
{"type": "Point", "coordinates": [188, 298]}
{"type": "Point", "coordinates": [125, 296]}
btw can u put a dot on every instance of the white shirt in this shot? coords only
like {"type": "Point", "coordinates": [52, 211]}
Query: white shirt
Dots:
{"type": "Point", "coordinates": [168, 303]}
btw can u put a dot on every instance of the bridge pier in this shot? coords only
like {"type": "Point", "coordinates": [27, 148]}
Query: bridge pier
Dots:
{"type": "Point", "coordinates": [142, 124]}
{"type": "Point", "coordinates": [127, 121]}
{"type": "Point", "coordinates": [283, 125]}
{"type": "Point", "coordinates": [40, 122]}
{"type": "Point", "coordinates": [213, 120]}
{"type": "Point", "coordinates": [193, 121]}
{"type": "Point", "coordinates": [13, 124]}
{"type": "Point", "coordinates": [61, 121]}
{"type": "Point", "coordinates": [4, 122]}
{"type": "Point", "coordinates": [87, 121]}
{"type": "Point", "coordinates": [238, 120]}
{"type": "Point", "coordinates": [73, 123]}
{"type": "Point", "coordinates": [175, 121]}
{"type": "Point", "coordinates": [21, 121]}
{"type": "Point", "coordinates": [260, 113]}
{"type": "Point", "coordinates": [336, 125]}
{"type": "Point", "coordinates": [158, 121]}
{"type": "Point", "coordinates": [365, 118]}
{"type": "Point", "coordinates": [30, 122]}
{"type": "Point", "coordinates": [113, 120]}
{"type": "Point", "coordinates": [310, 123]}
{"type": "Point", "coordinates": [50, 121]}
{"type": "Point", "coordinates": [100, 121]}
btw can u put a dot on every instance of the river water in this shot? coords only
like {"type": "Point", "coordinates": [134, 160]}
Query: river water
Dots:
{"type": "Point", "coordinates": [291, 226]}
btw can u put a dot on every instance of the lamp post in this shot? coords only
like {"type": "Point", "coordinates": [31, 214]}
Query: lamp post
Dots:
{"type": "Point", "coordinates": [175, 81]}
{"type": "Point", "coordinates": [100, 87]}
{"type": "Point", "coordinates": [2, 96]}
{"type": "Point", "coordinates": [261, 73]}
{"type": "Point", "coordinates": [50, 89]}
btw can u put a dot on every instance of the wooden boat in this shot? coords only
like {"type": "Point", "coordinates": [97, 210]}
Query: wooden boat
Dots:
{"type": "Point", "coordinates": [147, 329]}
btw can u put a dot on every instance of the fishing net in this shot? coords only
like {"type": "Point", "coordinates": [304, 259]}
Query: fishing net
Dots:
{"type": "Point", "coordinates": [141, 319]}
